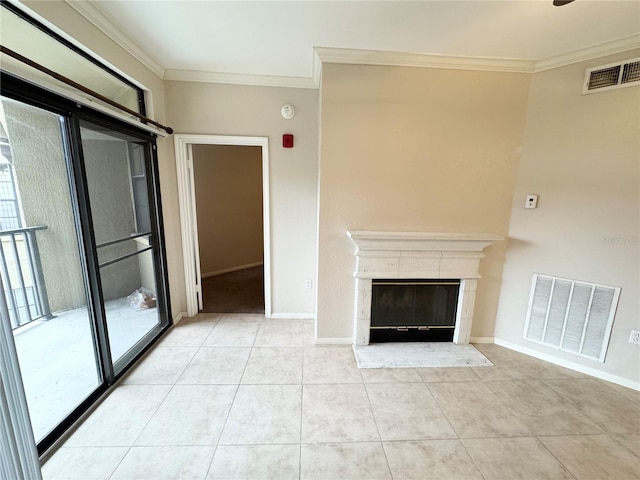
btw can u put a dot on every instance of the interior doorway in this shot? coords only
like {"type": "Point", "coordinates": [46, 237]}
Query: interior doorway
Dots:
{"type": "Point", "coordinates": [228, 191]}
{"type": "Point", "coordinates": [185, 146]}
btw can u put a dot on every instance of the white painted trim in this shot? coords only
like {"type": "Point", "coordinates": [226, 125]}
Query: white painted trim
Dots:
{"type": "Point", "coordinates": [231, 269]}
{"type": "Point", "coordinates": [185, 201]}
{"type": "Point", "coordinates": [239, 79]}
{"type": "Point", "coordinates": [94, 16]}
{"type": "Point", "coordinates": [179, 317]}
{"type": "Point", "coordinates": [481, 340]}
{"type": "Point", "coordinates": [609, 377]}
{"type": "Point", "coordinates": [317, 68]}
{"type": "Point", "coordinates": [188, 222]}
{"type": "Point", "coordinates": [596, 51]}
{"type": "Point", "coordinates": [334, 341]}
{"type": "Point", "coordinates": [293, 316]}
{"type": "Point", "coordinates": [400, 59]}
{"type": "Point", "coordinates": [194, 227]}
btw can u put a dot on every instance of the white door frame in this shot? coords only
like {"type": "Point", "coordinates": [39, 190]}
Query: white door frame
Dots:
{"type": "Point", "coordinates": [188, 219]}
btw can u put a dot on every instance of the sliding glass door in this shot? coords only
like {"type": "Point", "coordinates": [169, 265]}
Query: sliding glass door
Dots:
{"type": "Point", "coordinates": [42, 267]}
{"type": "Point", "coordinates": [117, 166]}
{"type": "Point", "coordinates": [82, 251]}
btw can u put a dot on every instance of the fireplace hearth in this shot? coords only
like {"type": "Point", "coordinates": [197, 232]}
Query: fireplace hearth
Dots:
{"type": "Point", "coordinates": [393, 256]}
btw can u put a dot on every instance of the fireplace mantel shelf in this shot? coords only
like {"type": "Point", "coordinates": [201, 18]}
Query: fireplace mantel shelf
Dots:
{"type": "Point", "coordinates": [422, 241]}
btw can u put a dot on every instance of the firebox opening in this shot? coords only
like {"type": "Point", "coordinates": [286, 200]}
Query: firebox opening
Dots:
{"type": "Point", "coordinates": [414, 310]}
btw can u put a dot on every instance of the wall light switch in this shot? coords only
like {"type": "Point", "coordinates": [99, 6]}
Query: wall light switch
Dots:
{"type": "Point", "coordinates": [307, 284]}
{"type": "Point", "coordinates": [531, 201]}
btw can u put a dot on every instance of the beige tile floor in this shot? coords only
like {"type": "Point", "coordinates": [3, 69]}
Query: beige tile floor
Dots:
{"type": "Point", "coordinates": [243, 397]}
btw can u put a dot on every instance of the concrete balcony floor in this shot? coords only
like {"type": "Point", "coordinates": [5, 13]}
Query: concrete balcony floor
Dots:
{"type": "Point", "coordinates": [58, 361]}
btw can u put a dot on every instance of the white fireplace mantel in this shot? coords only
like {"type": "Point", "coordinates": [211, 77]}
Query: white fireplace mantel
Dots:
{"type": "Point", "coordinates": [418, 255]}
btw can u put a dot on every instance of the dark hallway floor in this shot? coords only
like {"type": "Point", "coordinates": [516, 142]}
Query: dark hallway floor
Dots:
{"type": "Point", "coordinates": [235, 292]}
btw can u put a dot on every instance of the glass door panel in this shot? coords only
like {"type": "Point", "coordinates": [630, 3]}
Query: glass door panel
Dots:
{"type": "Point", "coordinates": [42, 267]}
{"type": "Point", "coordinates": [116, 168]}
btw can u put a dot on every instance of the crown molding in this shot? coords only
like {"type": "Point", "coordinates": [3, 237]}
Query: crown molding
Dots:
{"type": "Point", "coordinates": [106, 26]}
{"type": "Point", "coordinates": [239, 79]}
{"type": "Point", "coordinates": [353, 56]}
{"type": "Point", "coordinates": [399, 59]}
{"type": "Point", "coordinates": [595, 51]}
{"type": "Point", "coordinates": [317, 68]}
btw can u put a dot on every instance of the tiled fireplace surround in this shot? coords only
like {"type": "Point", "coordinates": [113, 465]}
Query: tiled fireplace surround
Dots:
{"type": "Point", "coordinates": [418, 255]}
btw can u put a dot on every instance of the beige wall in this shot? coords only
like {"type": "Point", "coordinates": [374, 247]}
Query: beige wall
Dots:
{"type": "Point", "coordinates": [228, 184]}
{"type": "Point", "coordinates": [581, 155]}
{"type": "Point", "coordinates": [412, 149]}
{"type": "Point", "coordinates": [199, 108]}
{"type": "Point", "coordinates": [66, 18]}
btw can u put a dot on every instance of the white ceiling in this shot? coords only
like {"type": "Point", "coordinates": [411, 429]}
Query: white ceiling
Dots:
{"type": "Point", "coordinates": [277, 38]}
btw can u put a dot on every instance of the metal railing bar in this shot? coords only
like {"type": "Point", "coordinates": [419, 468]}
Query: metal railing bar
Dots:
{"type": "Point", "coordinates": [36, 297]}
{"type": "Point", "coordinates": [21, 278]}
{"type": "Point", "coordinates": [120, 240]}
{"type": "Point", "coordinates": [22, 230]}
{"type": "Point", "coordinates": [12, 300]}
{"type": "Point", "coordinates": [38, 276]}
{"type": "Point", "coordinates": [124, 257]}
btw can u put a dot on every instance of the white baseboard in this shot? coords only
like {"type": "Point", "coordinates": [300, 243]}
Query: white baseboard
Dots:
{"type": "Point", "coordinates": [179, 317]}
{"type": "Point", "coordinates": [231, 269]}
{"type": "Point", "coordinates": [334, 341]}
{"type": "Point", "coordinates": [481, 340]}
{"type": "Point", "coordinates": [294, 316]}
{"type": "Point", "coordinates": [609, 377]}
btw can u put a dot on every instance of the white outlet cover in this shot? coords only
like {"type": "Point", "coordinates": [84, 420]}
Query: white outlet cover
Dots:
{"type": "Point", "coordinates": [531, 201]}
{"type": "Point", "coordinates": [634, 337]}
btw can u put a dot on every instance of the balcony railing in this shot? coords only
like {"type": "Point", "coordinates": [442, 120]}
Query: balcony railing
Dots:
{"type": "Point", "coordinates": [21, 271]}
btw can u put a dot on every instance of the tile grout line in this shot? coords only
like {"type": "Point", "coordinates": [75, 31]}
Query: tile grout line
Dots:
{"type": "Point", "coordinates": [375, 421]}
{"type": "Point", "coordinates": [147, 354]}
{"type": "Point", "coordinates": [566, 469]}
{"type": "Point", "coordinates": [301, 410]}
{"type": "Point", "coordinates": [444, 414]}
{"type": "Point", "coordinates": [199, 348]}
{"type": "Point", "coordinates": [461, 440]}
{"type": "Point", "coordinates": [215, 450]}
{"type": "Point", "coordinates": [455, 431]}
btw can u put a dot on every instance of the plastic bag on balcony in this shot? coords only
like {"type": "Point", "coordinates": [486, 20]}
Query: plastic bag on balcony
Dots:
{"type": "Point", "coordinates": [141, 299]}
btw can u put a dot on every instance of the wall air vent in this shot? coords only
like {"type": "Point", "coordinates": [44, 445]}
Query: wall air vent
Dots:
{"type": "Point", "coordinates": [612, 76]}
{"type": "Point", "coordinates": [570, 315]}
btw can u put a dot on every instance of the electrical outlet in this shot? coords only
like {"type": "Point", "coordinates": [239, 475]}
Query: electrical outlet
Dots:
{"type": "Point", "coordinates": [635, 337]}
{"type": "Point", "coordinates": [307, 284]}
{"type": "Point", "coordinates": [531, 201]}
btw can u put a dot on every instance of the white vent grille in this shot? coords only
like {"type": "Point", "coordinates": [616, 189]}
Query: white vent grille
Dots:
{"type": "Point", "coordinates": [612, 76]}
{"type": "Point", "coordinates": [570, 315]}
{"type": "Point", "coordinates": [631, 72]}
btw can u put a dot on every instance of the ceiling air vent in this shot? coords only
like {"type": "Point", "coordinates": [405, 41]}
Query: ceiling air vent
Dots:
{"type": "Point", "coordinates": [612, 76]}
